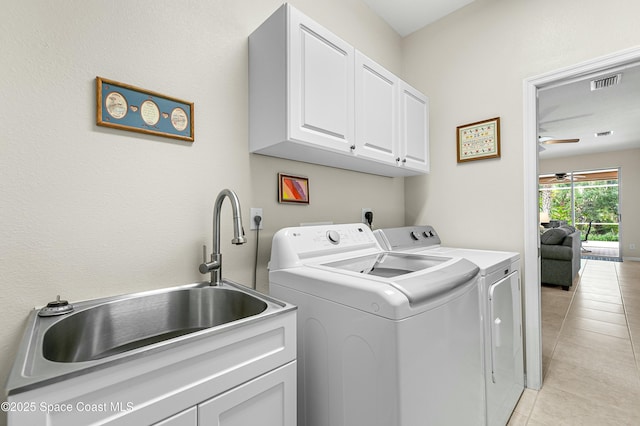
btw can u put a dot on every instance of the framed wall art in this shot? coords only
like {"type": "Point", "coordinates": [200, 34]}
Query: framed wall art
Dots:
{"type": "Point", "coordinates": [478, 141]}
{"type": "Point", "coordinates": [122, 106]}
{"type": "Point", "coordinates": [293, 189]}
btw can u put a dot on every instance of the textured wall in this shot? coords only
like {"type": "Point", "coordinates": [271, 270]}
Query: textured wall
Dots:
{"type": "Point", "coordinates": [89, 211]}
{"type": "Point", "coordinates": [472, 65]}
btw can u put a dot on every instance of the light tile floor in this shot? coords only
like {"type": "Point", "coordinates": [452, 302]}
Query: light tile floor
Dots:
{"type": "Point", "coordinates": [590, 351]}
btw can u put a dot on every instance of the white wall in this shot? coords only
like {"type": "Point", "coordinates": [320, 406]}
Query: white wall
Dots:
{"type": "Point", "coordinates": [629, 162]}
{"type": "Point", "coordinates": [89, 211]}
{"type": "Point", "coordinates": [472, 65]}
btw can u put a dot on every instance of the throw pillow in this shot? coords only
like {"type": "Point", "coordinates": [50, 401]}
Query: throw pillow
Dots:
{"type": "Point", "coordinates": [553, 236]}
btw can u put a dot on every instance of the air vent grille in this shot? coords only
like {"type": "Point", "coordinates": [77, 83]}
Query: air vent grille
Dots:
{"type": "Point", "coordinates": [605, 82]}
{"type": "Point", "coordinates": [607, 133]}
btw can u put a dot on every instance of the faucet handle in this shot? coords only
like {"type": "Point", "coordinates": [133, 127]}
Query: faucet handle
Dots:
{"type": "Point", "coordinates": [207, 267]}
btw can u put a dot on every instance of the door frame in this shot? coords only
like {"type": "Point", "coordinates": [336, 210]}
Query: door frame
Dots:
{"type": "Point", "coordinates": [532, 319]}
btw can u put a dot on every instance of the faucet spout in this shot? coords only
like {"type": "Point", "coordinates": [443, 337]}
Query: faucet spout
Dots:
{"type": "Point", "coordinates": [215, 266]}
{"type": "Point", "coordinates": [238, 230]}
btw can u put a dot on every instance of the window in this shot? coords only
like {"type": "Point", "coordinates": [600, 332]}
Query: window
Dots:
{"type": "Point", "coordinates": [583, 198]}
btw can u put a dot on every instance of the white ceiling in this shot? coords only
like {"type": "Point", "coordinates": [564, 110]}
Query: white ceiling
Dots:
{"type": "Point", "coordinates": [568, 110]}
{"type": "Point", "coordinates": [573, 110]}
{"type": "Point", "coordinates": [407, 16]}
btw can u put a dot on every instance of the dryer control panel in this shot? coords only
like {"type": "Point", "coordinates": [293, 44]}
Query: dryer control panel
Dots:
{"type": "Point", "coordinates": [408, 237]}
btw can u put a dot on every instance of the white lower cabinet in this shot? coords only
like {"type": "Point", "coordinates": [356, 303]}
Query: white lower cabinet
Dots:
{"type": "Point", "coordinates": [269, 400]}
{"type": "Point", "coordinates": [244, 375]}
{"type": "Point", "coordinates": [186, 418]}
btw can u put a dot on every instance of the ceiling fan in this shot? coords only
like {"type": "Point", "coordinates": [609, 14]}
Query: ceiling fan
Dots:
{"type": "Point", "coordinates": [560, 178]}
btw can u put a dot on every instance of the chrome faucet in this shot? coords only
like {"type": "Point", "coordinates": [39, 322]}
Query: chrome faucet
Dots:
{"type": "Point", "coordinates": [215, 265]}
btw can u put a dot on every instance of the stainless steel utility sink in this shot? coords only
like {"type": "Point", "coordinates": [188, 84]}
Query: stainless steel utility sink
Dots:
{"type": "Point", "coordinates": [112, 328]}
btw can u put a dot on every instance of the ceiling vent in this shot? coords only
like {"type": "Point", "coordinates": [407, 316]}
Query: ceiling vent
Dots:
{"type": "Point", "coordinates": [605, 82]}
{"type": "Point", "coordinates": [607, 133]}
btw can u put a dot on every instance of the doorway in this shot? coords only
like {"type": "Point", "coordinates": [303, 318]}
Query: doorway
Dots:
{"type": "Point", "coordinates": [531, 258]}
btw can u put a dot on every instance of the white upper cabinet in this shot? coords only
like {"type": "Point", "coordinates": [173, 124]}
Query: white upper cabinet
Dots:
{"type": "Point", "coordinates": [414, 129]}
{"type": "Point", "coordinates": [320, 85]}
{"type": "Point", "coordinates": [377, 111]}
{"type": "Point", "coordinates": [314, 98]}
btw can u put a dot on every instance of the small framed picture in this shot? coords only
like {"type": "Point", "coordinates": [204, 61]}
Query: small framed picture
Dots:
{"type": "Point", "coordinates": [293, 189]}
{"type": "Point", "coordinates": [479, 141]}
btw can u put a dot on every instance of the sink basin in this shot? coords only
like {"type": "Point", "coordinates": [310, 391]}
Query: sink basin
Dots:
{"type": "Point", "coordinates": [112, 328]}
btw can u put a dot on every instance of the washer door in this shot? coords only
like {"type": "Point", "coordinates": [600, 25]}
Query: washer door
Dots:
{"type": "Point", "coordinates": [416, 276]}
{"type": "Point", "coordinates": [387, 265]}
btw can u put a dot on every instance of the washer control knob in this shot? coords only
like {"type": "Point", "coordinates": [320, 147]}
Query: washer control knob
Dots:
{"type": "Point", "coordinates": [333, 237]}
{"type": "Point", "coordinates": [414, 235]}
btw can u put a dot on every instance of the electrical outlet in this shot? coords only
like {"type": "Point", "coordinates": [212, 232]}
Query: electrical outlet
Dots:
{"type": "Point", "coordinates": [365, 210]}
{"type": "Point", "coordinates": [255, 212]}
{"type": "Point", "coordinates": [632, 246]}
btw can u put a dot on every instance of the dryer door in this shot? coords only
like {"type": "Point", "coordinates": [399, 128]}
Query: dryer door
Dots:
{"type": "Point", "coordinates": [506, 382]}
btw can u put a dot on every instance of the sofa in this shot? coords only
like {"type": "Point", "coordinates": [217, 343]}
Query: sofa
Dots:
{"type": "Point", "coordinates": [560, 256]}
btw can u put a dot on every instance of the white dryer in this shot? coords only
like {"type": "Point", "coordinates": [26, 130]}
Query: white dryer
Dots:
{"type": "Point", "coordinates": [384, 339]}
{"type": "Point", "coordinates": [500, 306]}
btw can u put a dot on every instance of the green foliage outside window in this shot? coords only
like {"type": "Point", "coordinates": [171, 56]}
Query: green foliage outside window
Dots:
{"type": "Point", "coordinates": [595, 202]}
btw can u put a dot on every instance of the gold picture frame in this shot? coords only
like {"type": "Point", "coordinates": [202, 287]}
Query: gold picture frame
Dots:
{"type": "Point", "coordinates": [293, 189]}
{"type": "Point", "coordinates": [126, 107]}
{"type": "Point", "coordinates": [479, 140]}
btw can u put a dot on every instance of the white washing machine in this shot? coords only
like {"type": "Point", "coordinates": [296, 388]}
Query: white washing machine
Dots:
{"type": "Point", "coordinates": [500, 306]}
{"type": "Point", "coordinates": [384, 339]}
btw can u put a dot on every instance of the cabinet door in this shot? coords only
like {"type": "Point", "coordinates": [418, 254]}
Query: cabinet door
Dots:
{"type": "Point", "coordinates": [321, 92]}
{"type": "Point", "coordinates": [376, 111]}
{"type": "Point", "coordinates": [269, 400]}
{"type": "Point", "coordinates": [186, 418]}
{"type": "Point", "coordinates": [414, 129]}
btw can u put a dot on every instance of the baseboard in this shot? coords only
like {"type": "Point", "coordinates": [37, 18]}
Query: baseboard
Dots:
{"type": "Point", "coordinates": [631, 259]}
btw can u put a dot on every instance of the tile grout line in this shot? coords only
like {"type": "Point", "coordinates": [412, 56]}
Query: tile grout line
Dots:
{"type": "Point", "coordinates": [564, 319]}
{"type": "Point", "coordinates": [578, 287]}
{"type": "Point", "coordinates": [555, 343]}
{"type": "Point", "coordinates": [619, 290]}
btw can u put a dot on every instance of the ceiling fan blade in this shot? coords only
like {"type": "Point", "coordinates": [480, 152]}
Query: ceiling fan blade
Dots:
{"type": "Point", "coordinates": [551, 180]}
{"type": "Point", "coordinates": [560, 178]}
{"type": "Point", "coordinates": [554, 141]}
